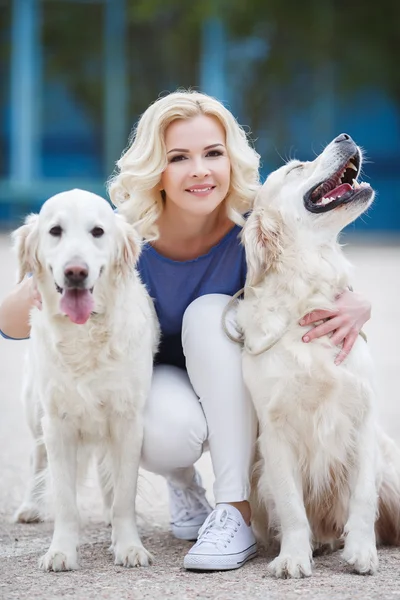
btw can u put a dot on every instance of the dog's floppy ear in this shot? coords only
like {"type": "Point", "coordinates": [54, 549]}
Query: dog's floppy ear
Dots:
{"type": "Point", "coordinates": [129, 245]}
{"type": "Point", "coordinates": [262, 240]}
{"type": "Point", "coordinates": [25, 240]}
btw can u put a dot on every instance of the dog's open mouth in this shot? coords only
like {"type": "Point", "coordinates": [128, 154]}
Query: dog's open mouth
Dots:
{"type": "Point", "coordinates": [76, 303]}
{"type": "Point", "coordinates": [341, 188]}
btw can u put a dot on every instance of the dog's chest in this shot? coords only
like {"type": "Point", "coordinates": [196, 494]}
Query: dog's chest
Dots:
{"type": "Point", "coordinates": [92, 380]}
{"type": "Point", "coordinates": [91, 404]}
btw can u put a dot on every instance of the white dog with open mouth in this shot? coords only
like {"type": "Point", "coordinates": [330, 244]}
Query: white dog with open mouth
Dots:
{"type": "Point", "coordinates": [89, 365]}
{"type": "Point", "coordinates": [327, 472]}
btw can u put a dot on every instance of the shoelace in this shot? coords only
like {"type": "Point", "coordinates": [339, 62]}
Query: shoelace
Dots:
{"type": "Point", "coordinates": [219, 528]}
{"type": "Point", "coordinates": [188, 503]}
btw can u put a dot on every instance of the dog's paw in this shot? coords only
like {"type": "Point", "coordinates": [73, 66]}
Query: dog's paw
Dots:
{"type": "Point", "coordinates": [57, 560]}
{"type": "Point", "coordinates": [132, 556]}
{"type": "Point", "coordinates": [291, 566]}
{"type": "Point", "coordinates": [28, 512]}
{"type": "Point", "coordinates": [361, 554]}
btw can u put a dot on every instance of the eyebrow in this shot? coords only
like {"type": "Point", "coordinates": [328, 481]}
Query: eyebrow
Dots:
{"type": "Point", "coordinates": [185, 150]}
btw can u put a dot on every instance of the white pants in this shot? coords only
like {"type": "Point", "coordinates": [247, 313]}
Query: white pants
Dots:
{"type": "Point", "coordinates": [206, 406]}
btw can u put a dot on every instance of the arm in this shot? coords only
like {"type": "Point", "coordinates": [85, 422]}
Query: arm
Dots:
{"type": "Point", "coordinates": [15, 309]}
{"type": "Point", "coordinates": [345, 323]}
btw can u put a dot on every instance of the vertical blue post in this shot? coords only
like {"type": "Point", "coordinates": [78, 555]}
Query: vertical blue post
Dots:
{"type": "Point", "coordinates": [116, 128]}
{"type": "Point", "coordinates": [213, 76]}
{"type": "Point", "coordinates": [25, 88]}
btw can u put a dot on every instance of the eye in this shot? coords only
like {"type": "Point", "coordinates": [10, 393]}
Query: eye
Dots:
{"type": "Point", "coordinates": [97, 232]}
{"type": "Point", "coordinates": [177, 158]}
{"type": "Point", "coordinates": [299, 166]}
{"type": "Point", "coordinates": [214, 153]}
{"type": "Point", "coordinates": [56, 231]}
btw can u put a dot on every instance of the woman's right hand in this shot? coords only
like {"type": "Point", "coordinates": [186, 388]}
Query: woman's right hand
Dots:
{"type": "Point", "coordinates": [15, 309]}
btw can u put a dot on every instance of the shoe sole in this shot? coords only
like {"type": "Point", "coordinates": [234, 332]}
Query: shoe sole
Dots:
{"type": "Point", "coordinates": [199, 562]}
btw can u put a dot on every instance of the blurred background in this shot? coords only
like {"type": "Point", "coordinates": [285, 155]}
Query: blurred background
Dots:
{"type": "Point", "coordinates": [76, 75]}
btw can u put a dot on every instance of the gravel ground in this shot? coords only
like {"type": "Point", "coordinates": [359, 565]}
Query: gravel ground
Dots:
{"type": "Point", "coordinates": [376, 276]}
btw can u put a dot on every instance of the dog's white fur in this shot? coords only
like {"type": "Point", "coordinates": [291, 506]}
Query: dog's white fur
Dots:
{"type": "Point", "coordinates": [86, 385]}
{"type": "Point", "coordinates": [326, 470]}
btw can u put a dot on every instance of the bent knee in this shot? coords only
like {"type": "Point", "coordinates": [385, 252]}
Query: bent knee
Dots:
{"type": "Point", "coordinates": [206, 309]}
{"type": "Point", "coordinates": [172, 444]}
{"type": "Point", "coordinates": [175, 428]}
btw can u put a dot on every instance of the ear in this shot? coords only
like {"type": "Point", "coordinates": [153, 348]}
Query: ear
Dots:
{"type": "Point", "coordinates": [26, 240]}
{"type": "Point", "coordinates": [262, 236]}
{"type": "Point", "coordinates": [129, 245]}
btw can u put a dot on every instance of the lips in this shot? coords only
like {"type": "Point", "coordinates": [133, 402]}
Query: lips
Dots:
{"type": "Point", "coordinates": [200, 189]}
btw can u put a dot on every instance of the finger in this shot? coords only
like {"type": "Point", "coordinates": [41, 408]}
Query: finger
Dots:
{"type": "Point", "coordinates": [316, 315]}
{"type": "Point", "coordinates": [342, 333]}
{"type": "Point", "coordinates": [347, 346]}
{"type": "Point", "coordinates": [323, 329]}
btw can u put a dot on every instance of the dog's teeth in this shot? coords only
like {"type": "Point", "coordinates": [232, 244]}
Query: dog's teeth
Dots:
{"type": "Point", "coordinates": [326, 201]}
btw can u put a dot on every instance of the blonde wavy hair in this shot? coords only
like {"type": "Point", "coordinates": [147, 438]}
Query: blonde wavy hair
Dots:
{"type": "Point", "coordinates": [135, 186]}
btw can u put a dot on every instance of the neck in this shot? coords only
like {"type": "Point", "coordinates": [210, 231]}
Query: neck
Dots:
{"type": "Point", "coordinates": [184, 236]}
{"type": "Point", "coordinates": [307, 278]}
{"type": "Point", "coordinates": [181, 225]}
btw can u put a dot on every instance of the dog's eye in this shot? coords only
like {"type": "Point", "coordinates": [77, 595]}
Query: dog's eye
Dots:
{"type": "Point", "coordinates": [97, 232]}
{"type": "Point", "coordinates": [56, 231]}
{"type": "Point", "coordinates": [298, 166]}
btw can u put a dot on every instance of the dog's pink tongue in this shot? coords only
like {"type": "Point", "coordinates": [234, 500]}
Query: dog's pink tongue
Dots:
{"type": "Point", "coordinates": [339, 191]}
{"type": "Point", "coordinates": [77, 304]}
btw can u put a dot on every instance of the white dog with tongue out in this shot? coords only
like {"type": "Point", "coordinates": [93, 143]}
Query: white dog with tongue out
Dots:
{"type": "Point", "coordinates": [89, 366]}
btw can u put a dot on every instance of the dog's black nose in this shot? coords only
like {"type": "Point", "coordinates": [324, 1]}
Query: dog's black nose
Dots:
{"type": "Point", "coordinates": [343, 137]}
{"type": "Point", "coordinates": [76, 274]}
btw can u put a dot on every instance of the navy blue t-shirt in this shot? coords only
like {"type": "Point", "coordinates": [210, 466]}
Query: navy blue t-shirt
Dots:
{"type": "Point", "coordinates": [173, 285]}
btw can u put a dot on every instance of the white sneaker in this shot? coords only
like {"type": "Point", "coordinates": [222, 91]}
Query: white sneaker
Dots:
{"type": "Point", "coordinates": [224, 542]}
{"type": "Point", "coordinates": [189, 509]}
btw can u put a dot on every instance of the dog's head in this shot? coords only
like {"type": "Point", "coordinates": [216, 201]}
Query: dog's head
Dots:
{"type": "Point", "coordinates": [313, 200]}
{"type": "Point", "coordinates": [75, 240]}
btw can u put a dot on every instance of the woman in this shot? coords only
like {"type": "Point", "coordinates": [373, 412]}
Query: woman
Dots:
{"type": "Point", "coordinates": [185, 182]}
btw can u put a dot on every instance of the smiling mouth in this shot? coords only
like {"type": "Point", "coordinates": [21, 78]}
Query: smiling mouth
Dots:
{"type": "Point", "coordinates": [340, 188]}
{"type": "Point", "coordinates": [195, 190]}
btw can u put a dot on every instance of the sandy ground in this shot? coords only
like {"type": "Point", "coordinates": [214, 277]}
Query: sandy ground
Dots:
{"type": "Point", "coordinates": [376, 276]}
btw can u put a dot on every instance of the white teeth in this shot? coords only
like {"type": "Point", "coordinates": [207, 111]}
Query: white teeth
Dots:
{"type": "Point", "coordinates": [326, 201]}
{"type": "Point", "coordinates": [200, 189]}
{"type": "Point", "coordinates": [350, 165]}
{"type": "Point", "coordinates": [357, 185]}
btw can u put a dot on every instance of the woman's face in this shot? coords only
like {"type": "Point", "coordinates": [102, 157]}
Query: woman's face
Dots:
{"type": "Point", "coordinates": [197, 177]}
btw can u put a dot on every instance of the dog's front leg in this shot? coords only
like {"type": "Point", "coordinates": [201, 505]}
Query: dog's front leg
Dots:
{"type": "Point", "coordinates": [281, 479]}
{"type": "Point", "coordinates": [126, 445]}
{"type": "Point", "coordinates": [61, 443]}
{"type": "Point", "coordinates": [360, 543]}
{"type": "Point", "coordinates": [31, 510]}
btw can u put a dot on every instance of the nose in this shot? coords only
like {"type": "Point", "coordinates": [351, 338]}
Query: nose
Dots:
{"type": "Point", "coordinates": [76, 274]}
{"type": "Point", "coordinates": [200, 168]}
{"type": "Point", "coordinates": [343, 137]}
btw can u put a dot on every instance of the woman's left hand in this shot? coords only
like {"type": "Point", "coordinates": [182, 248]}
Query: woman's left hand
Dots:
{"type": "Point", "coordinates": [344, 323]}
